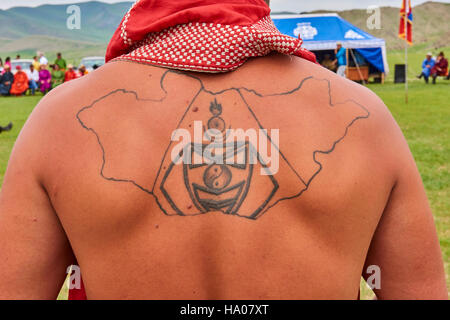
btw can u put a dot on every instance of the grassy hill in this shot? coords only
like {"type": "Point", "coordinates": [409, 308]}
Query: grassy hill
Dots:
{"type": "Point", "coordinates": [431, 27]}
{"type": "Point", "coordinates": [25, 30]}
{"type": "Point", "coordinates": [98, 21]}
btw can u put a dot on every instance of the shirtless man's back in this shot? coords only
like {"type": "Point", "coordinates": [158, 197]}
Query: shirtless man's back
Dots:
{"type": "Point", "coordinates": [336, 190]}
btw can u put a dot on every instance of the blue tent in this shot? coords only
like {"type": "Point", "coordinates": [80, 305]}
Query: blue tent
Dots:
{"type": "Point", "coordinates": [323, 31]}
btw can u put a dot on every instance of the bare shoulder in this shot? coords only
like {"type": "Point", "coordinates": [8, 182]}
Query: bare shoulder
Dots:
{"type": "Point", "coordinates": [52, 131]}
{"type": "Point", "coordinates": [380, 127]}
{"type": "Point", "coordinates": [317, 84]}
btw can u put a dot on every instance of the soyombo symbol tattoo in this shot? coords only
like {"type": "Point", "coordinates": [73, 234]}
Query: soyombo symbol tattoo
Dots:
{"type": "Point", "coordinates": [228, 169]}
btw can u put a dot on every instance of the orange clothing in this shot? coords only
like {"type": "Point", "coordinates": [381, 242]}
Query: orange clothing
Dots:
{"type": "Point", "coordinates": [20, 84]}
{"type": "Point", "coordinates": [70, 75]}
{"type": "Point", "coordinates": [80, 74]}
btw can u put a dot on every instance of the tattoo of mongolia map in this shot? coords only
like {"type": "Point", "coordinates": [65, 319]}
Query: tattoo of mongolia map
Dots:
{"type": "Point", "coordinates": [242, 188]}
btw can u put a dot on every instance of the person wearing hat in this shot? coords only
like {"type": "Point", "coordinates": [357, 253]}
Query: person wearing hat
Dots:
{"type": "Point", "coordinates": [341, 59]}
{"type": "Point", "coordinates": [20, 84]}
{"type": "Point", "coordinates": [102, 186]}
{"type": "Point", "coordinates": [427, 66]}
{"type": "Point", "coordinates": [70, 73]}
{"type": "Point", "coordinates": [6, 80]}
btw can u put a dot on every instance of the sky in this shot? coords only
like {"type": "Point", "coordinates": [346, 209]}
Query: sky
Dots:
{"type": "Point", "coordinates": [276, 5]}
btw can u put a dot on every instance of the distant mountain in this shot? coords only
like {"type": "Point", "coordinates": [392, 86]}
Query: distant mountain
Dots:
{"type": "Point", "coordinates": [98, 21]}
{"type": "Point", "coordinates": [24, 30]}
{"type": "Point", "coordinates": [431, 28]}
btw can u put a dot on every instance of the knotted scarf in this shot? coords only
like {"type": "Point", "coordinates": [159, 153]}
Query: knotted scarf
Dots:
{"type": "Point", "coordinates": [200, 35]}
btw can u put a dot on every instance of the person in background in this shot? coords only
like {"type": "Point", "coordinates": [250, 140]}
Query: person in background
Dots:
{"type": "Point", "coordinates": [6, 80]}
{"type": "Point", "coordinates": [20, 84]}
{"type": "Point", "coordinates": [36, 63]}
{"type": "Point", "coordinates": [17, 56]}
{"type": "Point", "coordinates": [341, 59]}
{"type": "Point", "coordinates": [427, 66]}
{"type": "Point", "coordinates": [7, 128]}
{"type": "Point", "coordinates": [7, 63]}
{"type": "Point", "coordinates": [60, 62]}
{"type": "Point", "coordinates": [42, 58]}
{"type": "Point", "coordinates": [1, 66]}
{"type": "Point", "coordinates": [70, 73]}
{"type": "Point", "coordinates": [57, 76]}
{"type": "Point", "coordinates": [440, 67]}
{"type": "Point", "coordinates": [45, 79]}
{"type": "Point", "coordinates": [33, 79]}
{"type": "Point", "coordinates": [328, 63]}
{"type": "Point", "coordinates": [82, 71]}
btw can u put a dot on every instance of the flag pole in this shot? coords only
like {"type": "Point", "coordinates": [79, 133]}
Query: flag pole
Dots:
{"type": "Point", "coordinates": [406, 50]}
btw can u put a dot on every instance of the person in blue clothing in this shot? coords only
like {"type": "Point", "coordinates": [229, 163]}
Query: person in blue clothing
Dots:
{"type": "Point", "coordinates": [341, 59]}
{"type": "Point", "coordinates": [6, 81]}
{"type": "Point", "coordinates": [427, 65]}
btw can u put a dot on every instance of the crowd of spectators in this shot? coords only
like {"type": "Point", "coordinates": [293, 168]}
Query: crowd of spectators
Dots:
{"type": "Point", "coordinates": [39, 76]}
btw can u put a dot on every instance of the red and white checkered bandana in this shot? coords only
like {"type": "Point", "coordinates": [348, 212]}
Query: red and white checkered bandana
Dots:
{"type": "Point", "coordinates": [200, 35]}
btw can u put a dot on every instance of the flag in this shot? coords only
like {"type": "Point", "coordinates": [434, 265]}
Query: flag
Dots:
{"type": "Point", "coordinates": [409, 17]}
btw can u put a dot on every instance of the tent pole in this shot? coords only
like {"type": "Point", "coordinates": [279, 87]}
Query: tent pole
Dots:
{"type": "Point", "coordinates": [406, 51]}
{"type": "Point", "coordinates": [357, 67]}
{"type": "Point", "coordinates": [346, 57]}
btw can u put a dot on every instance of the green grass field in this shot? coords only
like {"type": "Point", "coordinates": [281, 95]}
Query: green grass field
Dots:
{"type": "Point", "coordinates": [425, 122]}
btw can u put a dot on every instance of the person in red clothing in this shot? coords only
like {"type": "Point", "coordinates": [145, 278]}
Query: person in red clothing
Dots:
{"type": "Point", "coordinates": [20, 84]}
{"type": "Point", "coordinates": [70, 73]}
{"type": "Point", "coordinates": [440, 67]}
